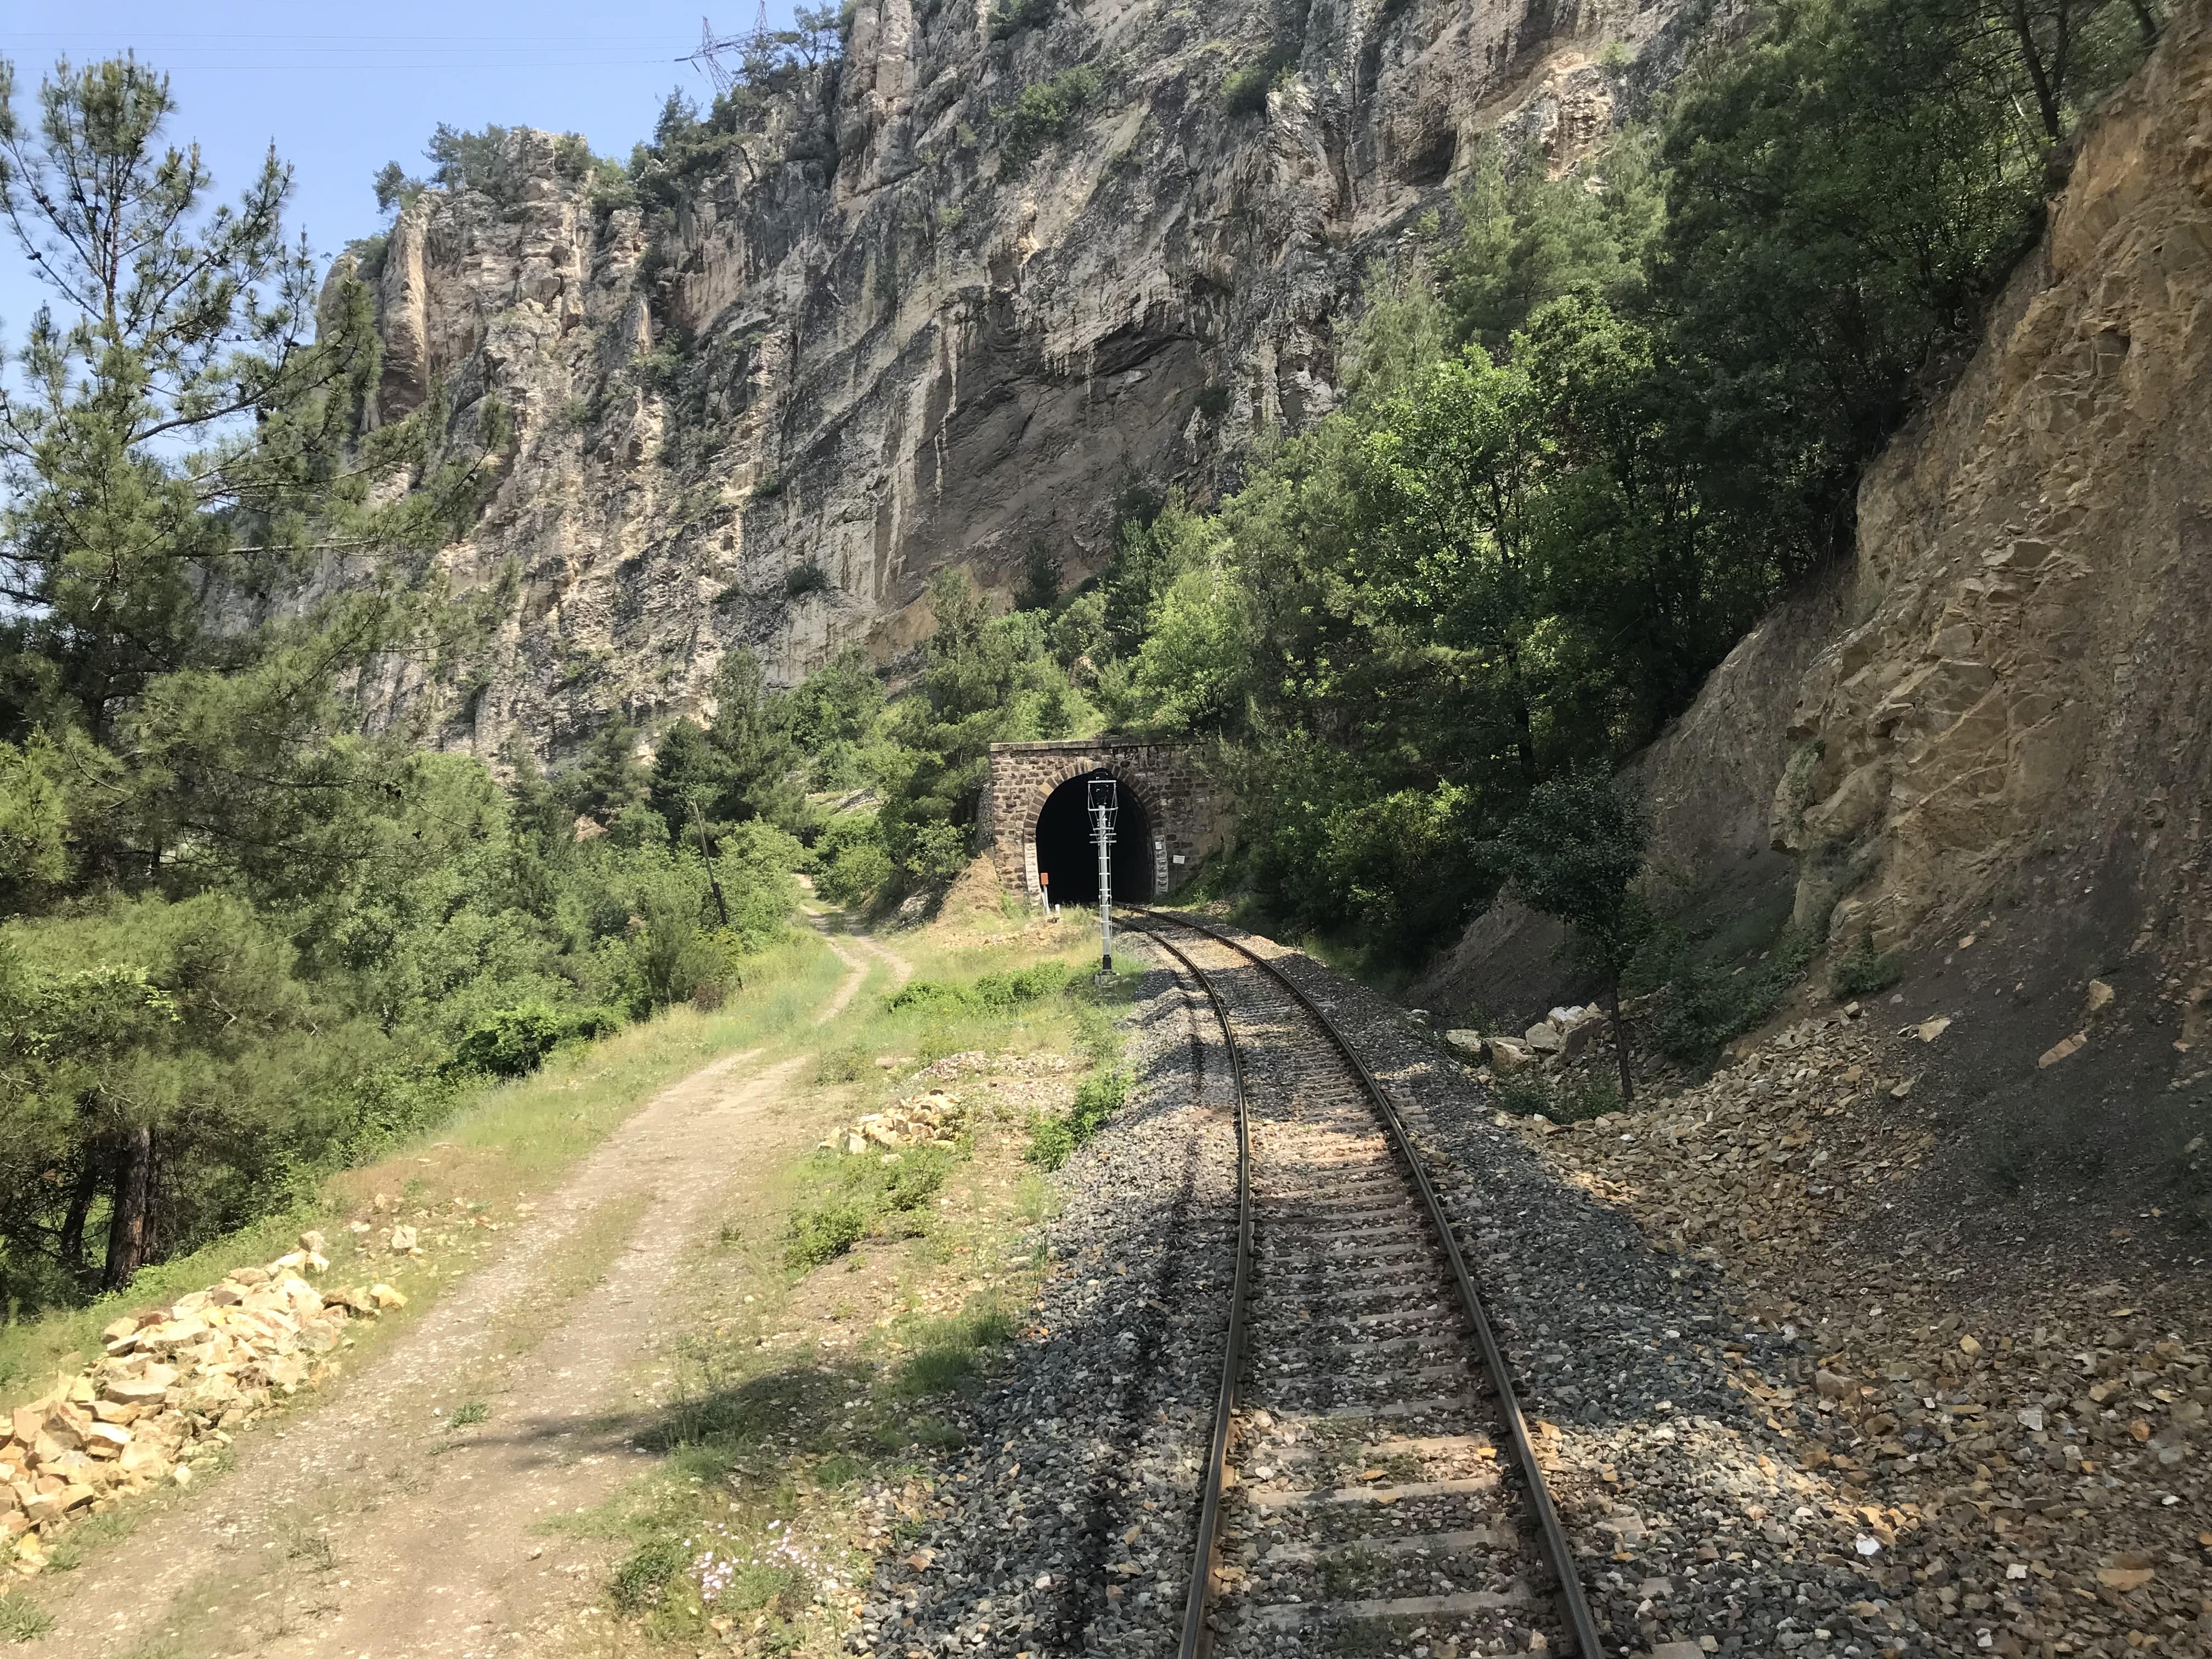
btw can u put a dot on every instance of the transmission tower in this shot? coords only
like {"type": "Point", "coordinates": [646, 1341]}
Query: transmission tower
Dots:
{"type": "Point", "coordinates": [712, 46]}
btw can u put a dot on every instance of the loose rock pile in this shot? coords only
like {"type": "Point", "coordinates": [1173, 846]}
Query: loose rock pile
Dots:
{"type": "Point", "coordinates": [930, 1120]}
{"type": "Point", "coordinates": [175, 1385]}
{"type": "Point", "coordinates": [2021, 1479]}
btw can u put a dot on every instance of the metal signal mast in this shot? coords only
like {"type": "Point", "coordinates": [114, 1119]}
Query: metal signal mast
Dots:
{"type": "Point", "coordinates": [1105, 807]}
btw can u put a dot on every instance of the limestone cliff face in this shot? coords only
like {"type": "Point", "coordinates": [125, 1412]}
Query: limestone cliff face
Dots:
{"type": "Point", "coordinates": [876, 341]}
{"type": "Point", "coordinates": [2022, 710]}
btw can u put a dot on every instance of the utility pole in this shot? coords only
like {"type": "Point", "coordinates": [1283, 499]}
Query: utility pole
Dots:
{"type": "Point", "coordinates": [706, 850]}
{"type": "Point", "coordinates": [1105, 807]}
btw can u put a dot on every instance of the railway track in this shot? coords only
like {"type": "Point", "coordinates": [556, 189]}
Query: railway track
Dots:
{"type": "Point", "coordinates": [1371, 1485]}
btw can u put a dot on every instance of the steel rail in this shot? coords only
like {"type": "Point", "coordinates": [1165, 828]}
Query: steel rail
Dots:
{"type": "Point", "coordinates": [1582, 1624]}
{"type": "Point", "coordinates": [1196, 1639]}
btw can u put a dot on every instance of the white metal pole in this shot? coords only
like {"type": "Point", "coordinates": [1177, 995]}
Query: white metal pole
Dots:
{"type": "Point", "coordinates": [1105, 891]}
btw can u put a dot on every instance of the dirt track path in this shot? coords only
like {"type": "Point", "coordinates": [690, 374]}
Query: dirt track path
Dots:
{"type": "Point", "coordinates": [364, 1526]}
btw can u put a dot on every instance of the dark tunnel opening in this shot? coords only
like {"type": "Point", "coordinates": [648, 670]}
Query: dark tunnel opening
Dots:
{"type": "Point", "coordinates": [1067, 862]}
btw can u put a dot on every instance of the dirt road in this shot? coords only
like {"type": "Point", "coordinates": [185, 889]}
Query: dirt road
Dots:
{"type": "Point", "coordinates": [367, 1524]}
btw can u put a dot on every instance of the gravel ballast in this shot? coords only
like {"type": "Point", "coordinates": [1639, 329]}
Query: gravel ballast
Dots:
{"type": "Point", "coordinates": [1067, 1523]}
{"type": "Point", "coordinates": [1774, 1420]}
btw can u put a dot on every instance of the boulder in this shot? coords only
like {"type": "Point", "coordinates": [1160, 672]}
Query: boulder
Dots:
{"type": "Point", "coordinates": [1507, 1057]}
{"type": "Point", "coordinates": [1469, 1043]}
{"type": "Point", "coordinates": [1545, 1038]}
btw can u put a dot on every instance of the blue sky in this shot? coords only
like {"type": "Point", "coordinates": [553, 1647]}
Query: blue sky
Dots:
{"type": "Point", "coordinates": [343, 89]}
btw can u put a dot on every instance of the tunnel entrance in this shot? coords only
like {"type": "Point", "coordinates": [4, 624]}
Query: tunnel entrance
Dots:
{"type": "Point", "coordinates": [1066, 860]}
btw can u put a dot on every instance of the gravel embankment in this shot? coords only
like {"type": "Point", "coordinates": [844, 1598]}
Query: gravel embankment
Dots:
{"type": "Point", "coordinates": [1066, 1524]}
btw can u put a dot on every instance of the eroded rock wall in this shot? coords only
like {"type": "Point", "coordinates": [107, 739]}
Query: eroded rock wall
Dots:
{"type": "Point", "coordinates": [2024, 707]}
{"type": "Point", "coordinates": [874, 342]}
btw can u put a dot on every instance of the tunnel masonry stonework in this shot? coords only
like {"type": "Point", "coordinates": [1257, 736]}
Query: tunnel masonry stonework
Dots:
{"type": "Point", "coordinates": [1187, 815]}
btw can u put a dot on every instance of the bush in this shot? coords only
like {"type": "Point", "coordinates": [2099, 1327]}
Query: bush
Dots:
{"type": "Point", "coordinates": [514, 1042]}
{"type": "Point", "coordinates": [1864, 971]}
{"type": "Point", "coordinates": [824, 1232]}
{"type": "Point", "coordinates": [1045, 112]}
{"type": "Point", "coordinates": [851, 863]}
{"type": "Point", "coordinates": [1521, 1095]}
{"type": "Point", "coordinates": [1701, 1005]}
{"type": "Point", "coordinates": [860, 1196]}
{"type": "Point", "coordinates": [1244, 91]}
{"type": "Point", "coordinates": [802, 580]}
{"type": "Point", "coordinates": [639, 1582]}
{"type": "Point", "coordinates": [1010, 18]}
{"type": "Point", "coordinates": [993, 993]}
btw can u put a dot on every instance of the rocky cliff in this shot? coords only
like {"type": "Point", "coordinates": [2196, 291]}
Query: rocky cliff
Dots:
{"type": "Point", "coordinates": [971, 283]}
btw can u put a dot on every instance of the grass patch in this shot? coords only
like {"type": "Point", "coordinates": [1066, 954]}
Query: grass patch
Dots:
{"type": "Point", "coordinates": [21, 1620]}
{"type": "Point", "coordinates": [948, 1354]}
{"type": "Point", "coordinates": [1053, 1141]}
{"type": "Point", "coordinates": [989, 993]}
{"type": "Point", "coordinates": [857, 1197]}
{"type": "Point", "coordinates": [470, 1413]}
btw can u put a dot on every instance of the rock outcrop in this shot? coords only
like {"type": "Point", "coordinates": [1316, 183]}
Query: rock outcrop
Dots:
{"type": "Point", "coordinates": [2023, 704]}
{"type": "Point", "coordinates": [947, 307]}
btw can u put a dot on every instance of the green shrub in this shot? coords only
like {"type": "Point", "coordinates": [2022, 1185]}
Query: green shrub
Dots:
{"type": "Point", "coordinates": [862, 1196]}
{"type": "Point", "coordinates": [851, 863]}
{"type": "Point", "coordinates": [641, 1580]}
{"type": "Point", "coordinates": [1045, 112]}
{"type": "Point", "coordinates": [1864, 971]}
{"type": "Point", "coordinates": [1523, 1095]}
{"type": "Point", "coordinates": [1010, 18]}
{"type": "Point", "coordinates": [514, 1042]}
{"type": "Point", "coordinates": [1053, 1139]}
{"type": "Point", "coordinates": [802, 580]}
{"type": "Point", "coordinates": [1701, 1005]}
{"type": "Point", "coordinates": [993, 993]}
{"type": "Point", "coordinates": [824, 1232]}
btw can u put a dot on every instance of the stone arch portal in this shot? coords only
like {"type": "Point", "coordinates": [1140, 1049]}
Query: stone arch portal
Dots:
{"type": "Point", "coordinates": [1172, 816]}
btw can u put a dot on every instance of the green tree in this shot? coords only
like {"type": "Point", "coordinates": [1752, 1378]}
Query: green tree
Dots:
{"type": "Point", "coordinates": [836, 719]}
{"type": "Point", "coordinates": [1845, 192]}
{"type": "Point", "coordinates": [1574, 852]}
{"type": "Point", "coordinates": [984, 680]}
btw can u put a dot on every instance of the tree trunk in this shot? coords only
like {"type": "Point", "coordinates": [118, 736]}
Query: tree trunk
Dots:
{"type": "Point", "coordinates": [1620, 1047]}
{"type": "Point", "coordinates": [88, 1188]}
{"type": "Point", "coordinates": [130, 1230]}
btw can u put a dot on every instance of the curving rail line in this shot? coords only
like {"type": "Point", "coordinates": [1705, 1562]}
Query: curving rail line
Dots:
{"type": "Point", "coordinates": [1337, 1324]}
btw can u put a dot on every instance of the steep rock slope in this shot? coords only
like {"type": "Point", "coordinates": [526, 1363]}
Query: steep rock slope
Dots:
{"type": "Point", "coordinates": [1987, 745]}
{"type": "Point", "coordinates": [2025, 702]}
{"type": "Point", "coordinates": [919, 321]}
